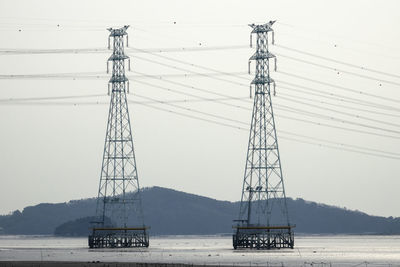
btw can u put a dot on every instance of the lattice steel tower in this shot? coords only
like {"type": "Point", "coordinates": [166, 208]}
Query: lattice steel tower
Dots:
{"type": "Point", "coordinates": [263, 221]}
{"type": "Point", "coordinates": [119, 208]}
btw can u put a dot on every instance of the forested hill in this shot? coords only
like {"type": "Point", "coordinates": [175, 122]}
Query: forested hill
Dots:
{"type": "Point", "coordinates": [172, 212]}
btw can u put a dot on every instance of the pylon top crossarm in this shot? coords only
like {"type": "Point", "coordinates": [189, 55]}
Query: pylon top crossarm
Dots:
{"type": "Point", "coordinates": [118, 58]}
{"type": "Point", "coordinates": [118, 31]}
{"type": "Point", "coordinates": [118, 35]}
{"type": "Point", "coordinates": [267, 27]}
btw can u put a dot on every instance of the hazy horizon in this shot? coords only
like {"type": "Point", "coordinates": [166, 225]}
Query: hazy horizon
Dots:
{"type": "Point", "coordinates": [149, 187]}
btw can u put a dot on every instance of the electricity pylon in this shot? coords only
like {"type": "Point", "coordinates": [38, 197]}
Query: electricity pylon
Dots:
{"type": "Point", "coordinates": [263, 221]}
{"type": "Point", "coordinates": [119, 208]}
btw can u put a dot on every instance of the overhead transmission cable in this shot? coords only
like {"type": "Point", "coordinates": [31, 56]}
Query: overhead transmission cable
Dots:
{"type": "Point", "coordinates": [241, 84]}
{"type": "Point", "coordinates": [327, 117]}
{"type": "Point", "coordinates": [224, 79]}
{"type": "Point", "coordinates": [168, 102]}
{"type": "Point", "coordinates": [149, 103]}
{"type": "Point", "coordinates": [337, 69]}
{"type": "Point", "coordinates": [227, 73]}
{"type": "Point", "coordinates": [185, 86]}
{"type": "Point", "coordinates": [154, 53]}
{"type": "Point", "coordinates": [14, 51]}
{"type": "Point", "coordinates": [296, 97]}
{"type": "Point", "coordinates": [338, 97]}
{"type": "Point", "coordinates": [338, 61]}
{"type": "Point", "coordinates": [341, 98]}
{"type": "Point", "coordinates": [341, 145]}
{"type": "Point", "coordinates": [308, 113]}
{"type": "Point", "coordinates": [359, 92]}
{"type": "Point", "coordinates": [287, 117]}
{"type": "Point", "coordinates": [182, 69]}
{"type": "Point", "coordinates": [291, 99]}
{"type": "Point", "coordinates": [33, 100]}
{"type": "Point", "coordinates": [22, 99]}
{"type": "Point", "coordinates": [323, 94]}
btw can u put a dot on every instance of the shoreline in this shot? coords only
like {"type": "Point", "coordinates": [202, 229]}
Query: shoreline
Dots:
{"type": "Point", "coordinates": [94, 264]}
{"type": "Point", "coordinates": [342, 251]}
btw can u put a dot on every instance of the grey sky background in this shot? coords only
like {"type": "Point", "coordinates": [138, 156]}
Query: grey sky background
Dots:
{"type": "Point", "coordinates": [51, 150]}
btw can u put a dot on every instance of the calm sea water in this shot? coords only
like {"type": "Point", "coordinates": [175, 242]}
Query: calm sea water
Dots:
{"type": "Point", "coordinates": [309, 251]}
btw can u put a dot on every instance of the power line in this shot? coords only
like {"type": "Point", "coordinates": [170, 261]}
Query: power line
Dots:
{"type": "Point", "coordinates": [341, 46]}
{"type": "Point", "coordinates": [337, 97]}
{"type": "Point", "coordinates": [193, 117]}
{"type": "Point", "coordinates": [304, 112]}
{"type": "Point", "coordinates": [340, 87]}
{"type": "Point", "coordinates": [328, 84]}
{"type": "Point", "coordinates": [192, 110]}
{"type": "Point", "coordinates": [47, 98]}
{"type": "Point", "coordinates": [289, 98]}
{"type": "Point", "coordinates": [291, 118]}
{"type": "Point", "coordinates": [102, 75]}
{"type": "Point", "coordinates": [36, 99]}
{"type": "Point", "coordinates": [13, 51]}
{"type": "Point", "coordinates": [25, 101]}
{"type": "Point", "coordinates": [311, 114]}
{"type": "Point", "coordinates": [284, 137]}
{"type": "Point", "coordinates": [52, 103]}
{"type": "Point", "coordinates": [338, 127]}
{"type": "Point", "coordinates": [338, 61]}
{"type": "Point", "coordinates": [326, 117]}
{"type": "Point", "coordinates": [241, 84]}
{"type": "Point", "coordinates": [201, 74]}
{"type": "Point", "coordinates": [190, 64]}
{"type": "Point", "coordinates": [80, 75]}
{"type": "Point", "coordinates": [97, 75]}
{"type": "Point", "coordinates": [345, 149]}
{"type": "Point", "coordinates": [338, 70]}
{"type": "Point", "coordinates": [332, 104]}
{"type": "Point", "coordinates": [182, 69]}
{"type": "Point", "coordinates": [189, 49]}
{"type": "Point", "coordinates": [228, 80]}
{"type": "Point", "coordinates": [185, 86]}
{"type": "Point", "coordinates": [340, 144]}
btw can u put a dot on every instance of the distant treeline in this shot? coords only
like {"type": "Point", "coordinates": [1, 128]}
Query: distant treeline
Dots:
{"type": "Point", "coordinates": [170, 212]}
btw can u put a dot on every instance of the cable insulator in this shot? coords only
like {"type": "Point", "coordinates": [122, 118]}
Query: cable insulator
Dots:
{"type": "Point", "coordinates": [250, 92]}
{"type": "Point", "coordinates": [273, 37]}
{"type": "Point", "coordinates": [251, 40]}
{"type": "Point", "coordinates": [249, 66]}
{"type": "Point", "coordinates": [275, 63]}
{"type": "Point", "coordinates": [127, 86]}
{"type": "Point", "coordinates": [127, 44]}
{"type": "Point", "coordinates": [129, 64]}
{"type": "Point", "coordinates": [107, 68]}
{"type": "Point", "coordinates": [274, 89]}
{"type": "Point", "coordinates": [108, 93]}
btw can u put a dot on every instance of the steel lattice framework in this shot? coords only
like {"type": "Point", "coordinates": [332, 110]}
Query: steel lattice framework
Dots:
{"type": "Point", "coordinates": [119, 208]}
{"type": "Point", "coordinates": [263, 221]}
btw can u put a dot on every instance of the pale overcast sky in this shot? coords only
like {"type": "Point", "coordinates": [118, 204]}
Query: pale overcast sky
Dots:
{"type": "Point", "coordinates": [51, 150]}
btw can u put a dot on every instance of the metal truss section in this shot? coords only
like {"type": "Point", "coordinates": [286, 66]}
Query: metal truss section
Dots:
{"type": "Point", "coordinates": [118, 238]}
{"type": "Point", "coordinates": [263, 221]}
{"type": "Point", "coordinates": [119, 202]}
{"type": "Point", "coordinates": [263, 238]}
